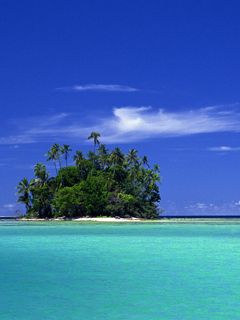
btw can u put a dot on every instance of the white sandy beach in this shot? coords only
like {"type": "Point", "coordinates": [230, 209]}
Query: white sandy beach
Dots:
{"type": "Point", "coordinates": [164, 220]}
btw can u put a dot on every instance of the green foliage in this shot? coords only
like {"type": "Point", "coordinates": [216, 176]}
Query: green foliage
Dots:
{"type": "Point", "coordinates": [68, 202]}
{"type": "Point", "coordinates": [68, 177]}
{"type": "Point", "coordinates": [95, 195]}
{"type": "Point", "coordinates": [41, 201]}
{"type": "Point", "coordinates": [89, 197]}
{"type": "Point", "coordinates": [103, 183]}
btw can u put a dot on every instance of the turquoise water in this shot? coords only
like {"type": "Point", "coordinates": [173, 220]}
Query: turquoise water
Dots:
{"type": "Point", "coordinates": [119, 271]}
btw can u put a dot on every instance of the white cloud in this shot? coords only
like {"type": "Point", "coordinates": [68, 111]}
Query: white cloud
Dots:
{"type": "Point", "coordinates": [127, 124]}
{"type": "Point", "coordinates": [201, 208]}
{"type": "Point", "coordinates": [18, 139]}
{"type": "Point", "coordinates": [100, 88]}
{"type": "Point", "coordinates": [224, 149]}
{"type": "Point", "coordinates": [224, 208]}
{"type": "Point", "coordinates": [132, 124]}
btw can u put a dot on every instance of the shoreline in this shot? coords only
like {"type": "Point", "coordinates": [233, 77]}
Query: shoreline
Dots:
{"type": "Point", "coordinates": [180, 220]}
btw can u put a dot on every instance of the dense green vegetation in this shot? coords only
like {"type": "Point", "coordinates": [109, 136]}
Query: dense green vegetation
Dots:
{"type": "Point", "coordinates": [104, 183]}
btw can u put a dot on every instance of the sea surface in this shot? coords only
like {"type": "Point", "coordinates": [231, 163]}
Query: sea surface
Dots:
{"type": "Point", "coordinates": [87, 271]}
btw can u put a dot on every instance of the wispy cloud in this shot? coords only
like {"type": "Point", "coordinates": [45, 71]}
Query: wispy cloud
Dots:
{"type": "Point", "coordinates": [100, 88]}
{"type": "Point", "coordinates": [224, 149]}
{"type": "Point", "coordinates": [192, 208]}
{"type": "Point", "coordinates": [35, 129]}
{"type": "Point", "coordinates": [143, 122]}
{"type": "Point", "coordinates": [223, 208]}
{"type": "Point", "coordinates": [128, 124]}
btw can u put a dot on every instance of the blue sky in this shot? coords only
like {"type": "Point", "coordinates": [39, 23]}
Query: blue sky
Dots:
{"type": "Point", "coordinates": [159, 76]}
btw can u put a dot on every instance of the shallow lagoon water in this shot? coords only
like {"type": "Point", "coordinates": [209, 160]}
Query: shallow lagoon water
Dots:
{"type": "Point", "coordinates": [119, 271]}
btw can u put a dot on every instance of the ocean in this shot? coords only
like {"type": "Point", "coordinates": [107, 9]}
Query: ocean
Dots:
{"type": "Point", "coordinates": [94, 271]}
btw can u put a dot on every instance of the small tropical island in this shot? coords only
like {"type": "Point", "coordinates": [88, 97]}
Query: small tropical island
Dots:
{"type": "Point", "coordinates": [102, 184]}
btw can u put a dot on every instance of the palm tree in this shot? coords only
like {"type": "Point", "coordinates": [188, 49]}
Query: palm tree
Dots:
{"type": "Point", "coordinates": [94, 136]}
{"type": "Point", "coordinates": [116, 162]}
{"type": "Point", "coordinates": [132, 157]}
{"type": "Point", "coordinates": [145, 161]}
{"type": "Point", "coordinates": [102, 149]}
{"type": "Point", "coordinates": [65, 150]}
{"type": "Point", "coordinates": [54, 155]}
{"type": "Point", "coordinates": [57, 150]}
{"type": "Point", "coordinates": [93, 158]}
{"type": "Point", "coordinates": [117, 157]}
{"type": "Point", "coordinates": [78, 157]}
{"type": "Point", "coordinates": [41, 173]}
{"type": "Point", "coordinates": [51, 156]}
{"type": "Point", "coordinates": [156, 168]}
{"type": "Point", "coordinates": [103, 156]}
{"type": "Point", "coordinates": [24, 192]}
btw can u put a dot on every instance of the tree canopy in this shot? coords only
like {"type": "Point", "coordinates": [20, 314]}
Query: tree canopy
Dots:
{"type": "Point", "coordinates": [103, 183]}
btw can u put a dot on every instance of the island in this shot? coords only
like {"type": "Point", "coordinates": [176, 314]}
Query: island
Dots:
{"type": "Point", "coordinates": [103, 183]}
